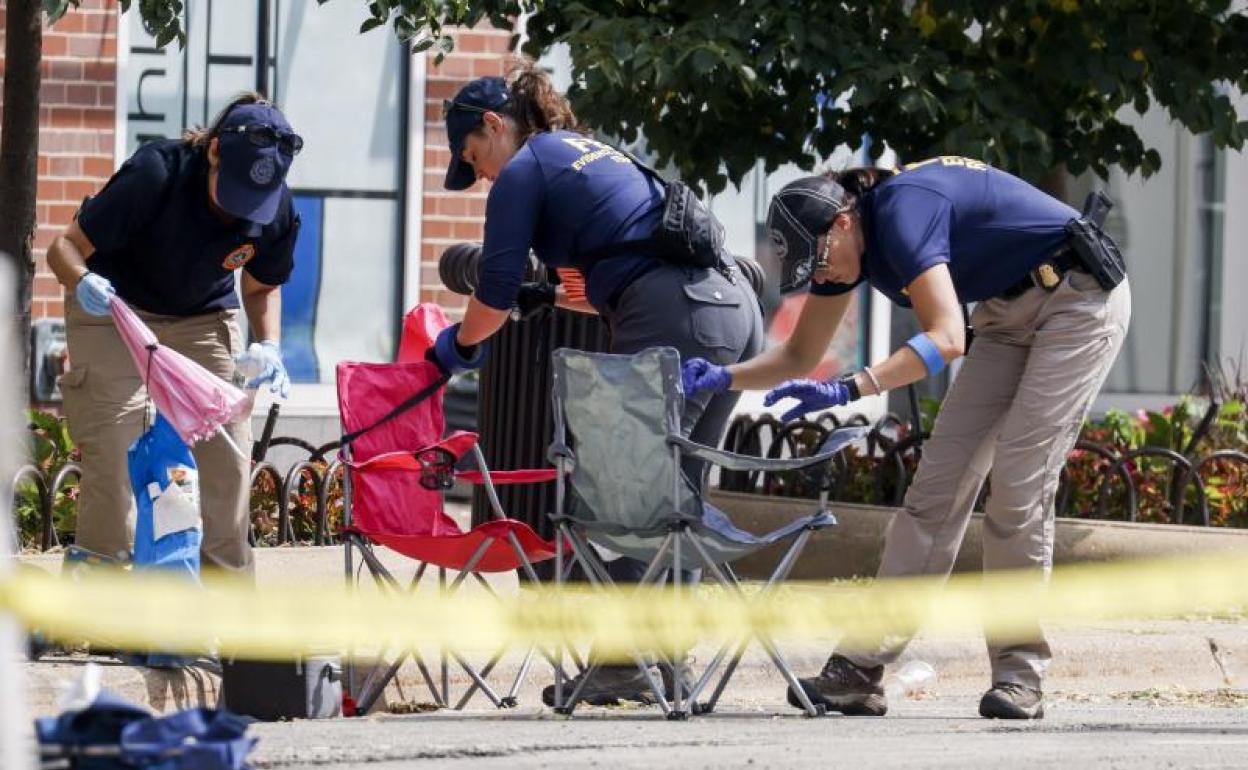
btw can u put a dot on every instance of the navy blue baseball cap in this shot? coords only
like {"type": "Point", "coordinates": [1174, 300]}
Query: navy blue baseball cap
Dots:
{"type": "Point", "coordinates": [257, 147]}
{"type": "Point", "coordinates": [463, 116]}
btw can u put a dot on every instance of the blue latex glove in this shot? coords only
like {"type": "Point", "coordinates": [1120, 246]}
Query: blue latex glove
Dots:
{"type": "Point", "coordinates": [94, 293]}
{"type": "Point", "coordinates": [451, 357]}
{"type": "Point", "coordinates": [698, 374]}
{"type": "Point", "coordinates": [810, 394]}
{"type": "Point", "coordinates": [262, 363]}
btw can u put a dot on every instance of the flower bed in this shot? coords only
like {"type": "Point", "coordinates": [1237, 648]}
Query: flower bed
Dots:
{"type": "Point", "coordinates": [1186, 464]}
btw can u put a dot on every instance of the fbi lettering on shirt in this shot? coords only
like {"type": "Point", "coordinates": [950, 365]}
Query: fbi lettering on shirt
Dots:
{"type": "Point", "coordinates": [948, 161]}
{"type": "Point", "coordinates": [592, 150]}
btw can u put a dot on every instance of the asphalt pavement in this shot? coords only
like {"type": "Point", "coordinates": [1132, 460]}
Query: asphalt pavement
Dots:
{"type": "Point", "coordinates": [1134, 732]}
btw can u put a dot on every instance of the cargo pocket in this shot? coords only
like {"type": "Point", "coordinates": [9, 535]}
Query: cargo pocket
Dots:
{"type": "Point", "coordinates": [73, 397]}
{"type": "Point", "coordinates": [229, 347]}
{"type": "Point", "coordinates": [716, 315]}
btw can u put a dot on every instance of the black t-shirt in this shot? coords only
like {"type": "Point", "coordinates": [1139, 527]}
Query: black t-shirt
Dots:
{"type": "Point", "coordinates": [163, 248]}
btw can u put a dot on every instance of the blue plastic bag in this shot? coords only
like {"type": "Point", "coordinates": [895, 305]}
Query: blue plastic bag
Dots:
{"type": "Point", "coordinates": [168, 529]}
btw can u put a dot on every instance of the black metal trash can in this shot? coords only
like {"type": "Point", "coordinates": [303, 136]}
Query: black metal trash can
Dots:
{"type": "Point", "coordinates": [514, 415]}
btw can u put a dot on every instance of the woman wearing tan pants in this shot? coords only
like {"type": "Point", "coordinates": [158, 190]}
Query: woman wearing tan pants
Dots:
{"type": "Point", "coordinates": [170, 234]}
{"type": "Point", "coordinates": [1052, 310]}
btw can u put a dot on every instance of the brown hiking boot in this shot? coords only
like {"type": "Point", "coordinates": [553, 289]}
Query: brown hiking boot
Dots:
{"type": "Point", "coordinates": [1007, 700]}
{"type": "Point", "coordinates": [846, 687]}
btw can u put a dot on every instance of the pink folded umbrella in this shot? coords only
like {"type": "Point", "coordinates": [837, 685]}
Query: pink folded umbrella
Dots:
{"type": "Point", "coordinates": [195, 401]}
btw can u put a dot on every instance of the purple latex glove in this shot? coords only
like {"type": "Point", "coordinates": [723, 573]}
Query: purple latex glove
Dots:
{"type": "Point", "coordinates": [810, 394]}
{"type": "Point", "coordinates": [698, 374]}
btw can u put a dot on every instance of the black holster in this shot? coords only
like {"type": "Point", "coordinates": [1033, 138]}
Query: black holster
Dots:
{"type": "Point", "coordinates": [1097, 253]}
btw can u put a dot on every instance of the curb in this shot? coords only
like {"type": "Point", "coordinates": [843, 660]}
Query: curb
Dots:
{"type": "Point", "coordinates": [852, 548]}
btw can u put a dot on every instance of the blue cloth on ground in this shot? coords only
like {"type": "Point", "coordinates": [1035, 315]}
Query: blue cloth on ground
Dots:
{"type": "Point", "coordinates": [117, 735]}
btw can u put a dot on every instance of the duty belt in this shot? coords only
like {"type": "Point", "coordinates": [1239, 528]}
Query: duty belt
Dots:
{"type": "Point", "coordinates": [1047, 275]}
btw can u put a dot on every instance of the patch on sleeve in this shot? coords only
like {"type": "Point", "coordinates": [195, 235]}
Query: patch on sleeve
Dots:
{"type": "Point", "coordinates": [239, 257]}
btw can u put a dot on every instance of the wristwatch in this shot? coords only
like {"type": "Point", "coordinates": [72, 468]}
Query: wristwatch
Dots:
{"type": "Point", "coordinates": [852, 385]}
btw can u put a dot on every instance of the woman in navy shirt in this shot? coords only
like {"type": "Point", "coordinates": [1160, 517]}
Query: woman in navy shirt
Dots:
{"type": "Point", "coordinates": [566, 197]}
{"type": "Point", "coordinates": [945, 232]}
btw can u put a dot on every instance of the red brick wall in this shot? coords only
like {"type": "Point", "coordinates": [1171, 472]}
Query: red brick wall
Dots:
{"type": "Point", "coordinates": [76, 127]}
{"type": "Point", "coordinates": [453, 217]}
{"type": "Point", "coordinates": [78, 122]}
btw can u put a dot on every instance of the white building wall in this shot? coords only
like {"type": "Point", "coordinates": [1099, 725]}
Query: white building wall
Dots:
{"type": "Point", "coordinates": [1233, 329]}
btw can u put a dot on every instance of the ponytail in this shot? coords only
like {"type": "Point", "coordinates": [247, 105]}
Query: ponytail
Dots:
{"type": "Point", "coordinates": [535, 105]}
{"type": "Point", "coordinates": [857, 182]}
{"type": "Point", "coordinates": [200, 136]}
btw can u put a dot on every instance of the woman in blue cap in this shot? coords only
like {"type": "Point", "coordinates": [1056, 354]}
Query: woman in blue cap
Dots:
{"type": "Point", "coordinates": [1053, 308]}
{"type": "Point", "coordinates": [579, 203]}
{"type": "Point", "coordinates": [171, 233]}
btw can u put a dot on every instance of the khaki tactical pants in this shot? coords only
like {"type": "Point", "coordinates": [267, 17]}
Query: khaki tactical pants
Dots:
{"type": "Point", "coordinates": [1012, 416]}
{"type": "Point", "coordinates": [105, 402]}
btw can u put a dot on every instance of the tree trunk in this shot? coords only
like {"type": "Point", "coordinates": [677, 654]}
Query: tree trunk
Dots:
{"type": "Point", "coordinates": [19, 156]}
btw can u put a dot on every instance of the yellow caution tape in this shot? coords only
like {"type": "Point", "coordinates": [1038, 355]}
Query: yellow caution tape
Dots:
{"type": "Point", "coordinates": [136, 610]}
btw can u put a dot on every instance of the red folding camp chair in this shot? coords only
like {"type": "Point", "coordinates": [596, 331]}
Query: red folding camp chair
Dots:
{"type": "Point", "coordinates": [397, 466]}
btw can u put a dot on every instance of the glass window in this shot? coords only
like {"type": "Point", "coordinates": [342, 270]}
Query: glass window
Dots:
{"type": "Point", "coordinates": [347, 182]}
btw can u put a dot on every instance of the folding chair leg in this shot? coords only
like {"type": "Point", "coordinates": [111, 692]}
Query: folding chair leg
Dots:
{"type": "Point", "coordinates": [477, 679]}
{"type": "Point", "coordinates": [349, 564]}
{"type": "Point", "coordinates": [511, 700]}
{"type": "Point", "coordinates": [427, 675]}
{"type": "Point", "coordinates": [731, 669]}
{"type": "Point", "coordinates": [678, 711]}
{"type": "Point", "coordinates": [782, 570]}
{"type": "Point", "coordinates": [485, 671]}
{"type": "Point", "coordinates": [370, 692]}
{"type": "Point", "coordinates": [445, 668]}
{"type": "Point", "coordinates": [598, 577]}
{"type": "Point", "coordinates": [570, 706]}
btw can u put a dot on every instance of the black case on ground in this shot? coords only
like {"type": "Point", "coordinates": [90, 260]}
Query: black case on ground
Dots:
{"type": "Point", "coordinates": [267, 690]}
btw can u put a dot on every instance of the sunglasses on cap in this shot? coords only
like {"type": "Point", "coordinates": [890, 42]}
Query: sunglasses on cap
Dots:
{"type": "Point", "coordinates": [450, 105]}
{"type": "Point", "coordinates": [264, 135]}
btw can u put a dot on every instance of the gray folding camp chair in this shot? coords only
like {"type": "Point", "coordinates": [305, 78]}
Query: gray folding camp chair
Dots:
{"type": "Point", "coordinates": [617, 429]}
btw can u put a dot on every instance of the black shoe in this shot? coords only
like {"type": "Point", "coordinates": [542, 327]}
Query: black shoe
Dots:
{"type": "Point", "coordinates": [846, 687]}
{"type": "Point", "coordinates": [609, 686]}
{"type": "Point", "coordinates": [1007, 700]}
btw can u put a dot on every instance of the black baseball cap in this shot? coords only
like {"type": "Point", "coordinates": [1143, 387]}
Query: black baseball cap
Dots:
{"type": "Point", "coordinates": [463, 116]}
{"type": "Point", "coordinates": [802, 211]}
{"type": "Point", "coordinates": [251, 177]}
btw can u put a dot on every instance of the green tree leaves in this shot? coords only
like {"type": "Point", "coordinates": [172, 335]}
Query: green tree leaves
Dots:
{"type": "Point", "coordinates": [714, 85]}
{"type": "Point", "coordinates": [1028, 85]}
